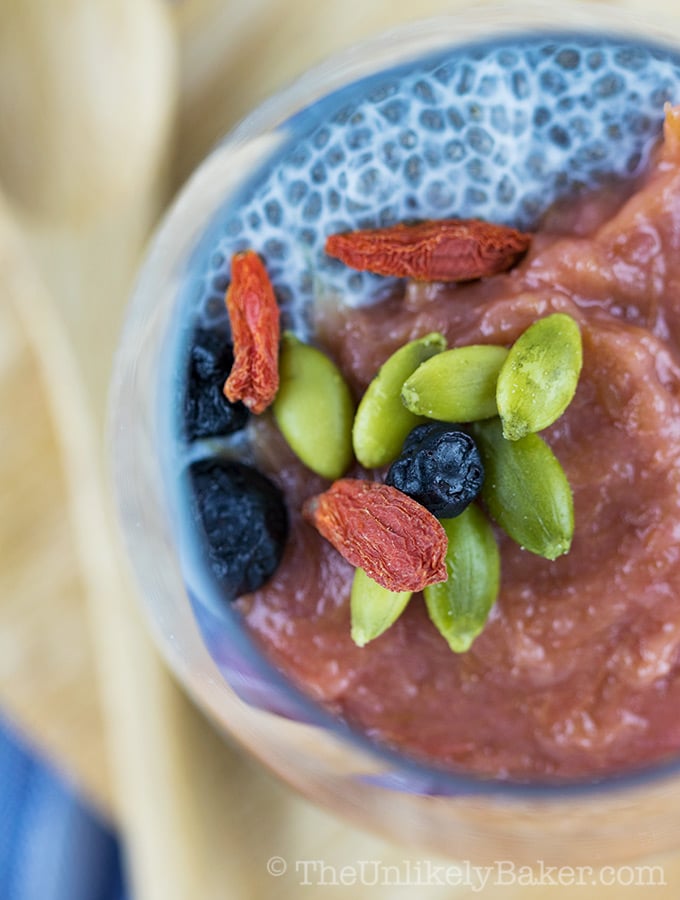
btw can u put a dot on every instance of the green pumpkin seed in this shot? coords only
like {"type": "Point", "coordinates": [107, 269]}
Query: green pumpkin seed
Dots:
{"type": "Point", "coordinates": [525, 490]}
{"type": "Point", "coordinates": [382, 422]}
{"type": "Point", "coordinates": [373, 607]}
{"type": "Point", "coordinates": [539, 377]}
{"type": "Point", "coordinates": [314, 408]}
{"type": "Point", "coordinates": [458, 385]}
{"type": "Point", "coordinates": [460, 606]}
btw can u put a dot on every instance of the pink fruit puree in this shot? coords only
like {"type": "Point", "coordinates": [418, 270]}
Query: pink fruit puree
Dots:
{"type": "Point", "coordinates": [577, 673]}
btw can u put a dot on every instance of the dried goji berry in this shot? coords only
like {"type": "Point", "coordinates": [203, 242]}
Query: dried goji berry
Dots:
{"type": "Point", "coordinates": [254, 317]}
{"type": "Point", "coordinates": [671, 132]}
{"type": "Point", "coordinates": [377, 528]}
{"type": "Point", "coordinates": [447, 250]}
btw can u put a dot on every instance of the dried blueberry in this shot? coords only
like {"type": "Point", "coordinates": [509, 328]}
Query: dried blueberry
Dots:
{"type": "Point", "coordinates": [440, 468]}
{"type": "Point", "coordinates": [244, 523]}
{"type": "Point", "coordinates": [207, 412]}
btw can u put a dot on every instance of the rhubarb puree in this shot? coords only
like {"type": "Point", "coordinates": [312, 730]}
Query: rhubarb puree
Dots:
{"type": "Point", "coordinates": [577, 673]}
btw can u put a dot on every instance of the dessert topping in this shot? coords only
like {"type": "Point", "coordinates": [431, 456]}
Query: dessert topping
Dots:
{"type": "Point", "coordinates": [440, 468]}
{"type": "Point", "coordinates": [460, 606]}
{"type": "Point", "coordinates": [314, 408]}
{"type": "Point", "coordinates": [446, 250]}
{"type": "Point", "coordinates": [526, 490]}
{"type": "Point", "coordinates": [375, 527]}
{"type": "Point", "coordinates": [382, 421]}
{"type": "Point", "coordinates": [391, 531]}
{"type": "Point", "coordinates": [373, 608]}
{"type": "Point", "coordinates": [254, 317]}
{"type": "Point", "coordinates": [244, 520]}
{"type": "Point", "coordinates": [458, 385]}
{"type": "Point", "coordinates": [538, 379]}
{"type": "Point", "coordinates": [207, 412]}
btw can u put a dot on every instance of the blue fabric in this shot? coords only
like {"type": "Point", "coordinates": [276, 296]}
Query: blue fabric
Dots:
{"type": "Point", "coordinates": [52, 846]}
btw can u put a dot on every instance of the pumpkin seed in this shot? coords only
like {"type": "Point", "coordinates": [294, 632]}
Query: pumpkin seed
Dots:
{"type": "Point", "coordinates": [460, 606]}
{"type": "Point", "coordinates": [373, 607]}
{"type": "Point", "coordinates": [525, 490]}
{"type": "Point", "coordinates": [314, 408]}
{"type": "Point", "coordinates": [458, 385]}
{"type": "Point", "coordinates": [382, 422]}
{"type": "Point", "coordinates": [538, 379]}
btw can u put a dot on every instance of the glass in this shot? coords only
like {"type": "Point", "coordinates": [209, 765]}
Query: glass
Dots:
{"type": "Point", "coordinates": [450, 814]}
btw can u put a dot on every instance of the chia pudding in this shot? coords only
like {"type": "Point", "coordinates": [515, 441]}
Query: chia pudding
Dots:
{"type": "Point", "coordinates": [576, 674]}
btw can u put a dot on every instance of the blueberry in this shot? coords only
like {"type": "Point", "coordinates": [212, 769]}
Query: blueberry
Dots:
{"type": "Point", "coordinates": [440, 468]}
{"type": "Point", "coordinates": [207, 412]}
{"type": "Point", "coordinates": [244, 523]}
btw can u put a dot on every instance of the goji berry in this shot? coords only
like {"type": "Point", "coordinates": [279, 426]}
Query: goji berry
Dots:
{"type": "Point", "coordinates": [395, 540]}
{"type": "Point", "coordinates": [671, 131]}
{"type": "Point", "coordinates": [447, 250]}
{"type": "Point", "coordinates": [255, 329]}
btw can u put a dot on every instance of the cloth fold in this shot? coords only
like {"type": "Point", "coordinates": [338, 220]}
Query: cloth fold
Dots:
{"type": "Point", "coordinates": [53, 846]}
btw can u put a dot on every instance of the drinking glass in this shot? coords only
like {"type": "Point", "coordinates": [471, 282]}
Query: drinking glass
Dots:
{"type": "Point", "coordinates": [203, 641]}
